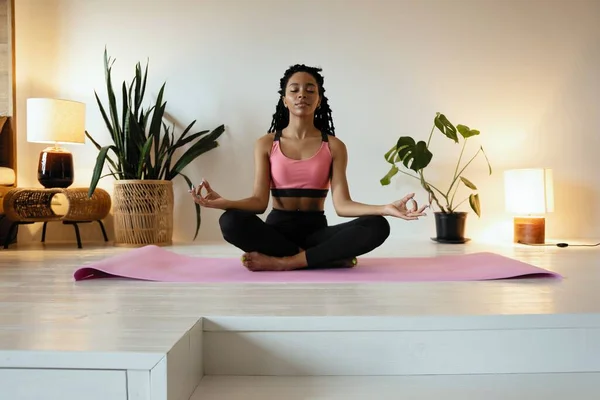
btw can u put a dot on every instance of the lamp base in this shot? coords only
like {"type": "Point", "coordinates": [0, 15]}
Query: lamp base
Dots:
{"type": "Point", "coordinates": [55, 168]}
{"type": "Point", "coordinates": [529, 230]}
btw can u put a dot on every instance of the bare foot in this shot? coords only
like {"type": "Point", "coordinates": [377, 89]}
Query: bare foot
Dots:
{"type": "Point", "coordinates": [259, 262]}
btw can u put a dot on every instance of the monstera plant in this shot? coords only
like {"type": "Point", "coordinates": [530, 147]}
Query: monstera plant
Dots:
{"type": "Point", "coordinates": [415, 156]}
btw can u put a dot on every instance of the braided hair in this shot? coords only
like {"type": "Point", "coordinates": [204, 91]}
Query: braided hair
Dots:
{"type": "Point", "coordinates": [322, 121]}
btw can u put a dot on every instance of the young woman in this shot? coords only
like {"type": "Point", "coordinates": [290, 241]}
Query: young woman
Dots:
{"type": "Point", "coordinates": [297, 162]}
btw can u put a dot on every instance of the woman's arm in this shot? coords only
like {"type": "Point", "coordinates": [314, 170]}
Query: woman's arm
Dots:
{"type": "Point", "coordinates": [342, 201]}
{"type": "Point", "coordinates": [346, 207]}
{"type": "Point", "coordinates": [258, 202]}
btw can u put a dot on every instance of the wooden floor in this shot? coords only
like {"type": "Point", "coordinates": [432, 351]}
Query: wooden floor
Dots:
{"type": "Point", "coordinates": [42, 308]}
{"type": "Point", "coordinates": [49, 324]}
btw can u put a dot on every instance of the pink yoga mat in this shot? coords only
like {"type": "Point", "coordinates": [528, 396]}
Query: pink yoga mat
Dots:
{"type": "Point", "coordinates": [154, 263]}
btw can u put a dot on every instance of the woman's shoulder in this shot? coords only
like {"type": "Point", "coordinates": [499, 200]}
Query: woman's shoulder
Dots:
{"type": "Point", "coordinates": [265, 142]}
{"type": "Point", "coordinates": [336, 144]}
{"type": "Point", "coordinates": [267, 138]}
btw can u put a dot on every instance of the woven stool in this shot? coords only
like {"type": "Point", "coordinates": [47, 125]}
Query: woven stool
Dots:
{"type": "Point", "coordinates": [28, 206]}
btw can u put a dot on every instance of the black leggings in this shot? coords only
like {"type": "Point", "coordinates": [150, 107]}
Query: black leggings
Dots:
{"type": "Point", "coordinates": [285, 232]}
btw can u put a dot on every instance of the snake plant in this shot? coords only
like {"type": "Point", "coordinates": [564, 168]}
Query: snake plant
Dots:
{"type": "Point", "coordinates": [143, 145]}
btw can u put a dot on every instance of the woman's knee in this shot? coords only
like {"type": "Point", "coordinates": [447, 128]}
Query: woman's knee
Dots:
{"type": "Point", "coordinates": [378, 226]}
{"type": "Point", "coordinates": [232, 222]}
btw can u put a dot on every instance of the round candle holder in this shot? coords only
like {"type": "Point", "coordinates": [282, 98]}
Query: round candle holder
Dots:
{"type": "Point", "coordinates": [529, 230]}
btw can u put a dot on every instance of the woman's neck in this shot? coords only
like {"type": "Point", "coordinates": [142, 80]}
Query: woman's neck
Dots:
{"type": "Point", "coordinates": [301, 127]}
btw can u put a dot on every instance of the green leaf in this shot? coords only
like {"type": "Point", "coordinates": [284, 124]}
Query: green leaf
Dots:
{"type": "Point", "coordinates": [144, 156]}
{"type": "Point", "coordinates": [109, 126]}
{"type": "Point", "coordinates": [137, 132]}
{"type": "Point", "coordinates": [125, 111]}
{"type": "Point", "coordinates": [445, 126]}
{"type": "Point", "coordinates": [128, 145]}
{"type": "Point", "coordinates": [130, 94]}
{"type": "Point", "coordinates": [144, 83]}
{"type": "Point", "coordinates": [112, 103]}
{"type": "Point", "coordinates": [165, 152]}
{"type": "Point", "coordinates": [138, 90]}
{"type": "Point", "coordinates": [98, 168]}
{"type": "Point", "coordinates": [100, 148]}
{"type": "Point", "coordinates": [466, 132]}
{"type": "Point", "coordinates": [157, 118]}
{"type": "Point", "coordinates": [168, 148]}
{"type": "Point", "coordinates": [415, 156]}
{"type": "Point", "coordinates": [468, 183]}
{"type": "Point", "coordinates": [189, 156]}
{"type": "Point", "coordinates": [486, 159]}
{"type": "Point", "coordinates": [386, 180]}
{"type": "Point", "coordinates": [182, 142]}
{"type": "Point", "coordinates": [96, 144]}
{"type": "Point", "coordinates": [475, 205]}
{"type": "Point", "coordinates": [203, 145]}
{"type": "Point", "coordinates": [186, 130]}
{"type": "Point", "coordinates": [198, 214]}
{"type": "Point", "coordinates": [391, 155]}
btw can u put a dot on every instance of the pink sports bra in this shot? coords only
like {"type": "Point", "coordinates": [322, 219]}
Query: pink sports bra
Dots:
{"type": "Point", "coordinates": [300, 178]}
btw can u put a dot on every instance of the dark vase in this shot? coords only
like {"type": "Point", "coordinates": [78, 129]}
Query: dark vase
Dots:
{"type": "Point", "coordinates": [55, 168]}
{"type": "Point", "coordinates": [450, 227]}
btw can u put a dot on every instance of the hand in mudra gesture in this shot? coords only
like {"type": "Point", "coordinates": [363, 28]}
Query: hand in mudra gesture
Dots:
{"type": "Point", "coordinates": [212, 199]}
{"type": "Point", "coordinates": [400, 209]}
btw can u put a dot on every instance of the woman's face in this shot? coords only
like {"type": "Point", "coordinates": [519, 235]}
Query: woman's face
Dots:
{"type": "Point", "coordinates": [302, 94]}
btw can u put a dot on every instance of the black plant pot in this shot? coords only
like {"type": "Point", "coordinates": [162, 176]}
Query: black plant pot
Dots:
{"type": "Point", "coordinates": [450, 227]}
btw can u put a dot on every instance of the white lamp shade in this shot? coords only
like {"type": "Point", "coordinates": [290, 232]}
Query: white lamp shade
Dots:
{"type": "Point", "coordinates": [55, 121]}
{"type": "Point", "coordinates": [529, 191]}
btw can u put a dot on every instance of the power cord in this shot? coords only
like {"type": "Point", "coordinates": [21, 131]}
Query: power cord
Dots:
{"type": "Point", "coordinates": [561, 244]}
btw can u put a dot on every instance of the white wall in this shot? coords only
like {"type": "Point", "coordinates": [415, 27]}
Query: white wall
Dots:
{"type": "Point", "coordinates": [523, 72]}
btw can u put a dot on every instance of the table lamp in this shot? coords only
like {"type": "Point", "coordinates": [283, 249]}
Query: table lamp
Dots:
{"type": "Point", "coordinates": [55, 121]}
{"type": "Point", "coordinates": [529, 195]}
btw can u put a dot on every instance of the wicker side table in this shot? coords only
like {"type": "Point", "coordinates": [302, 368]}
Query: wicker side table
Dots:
{"type": "Point", "coordinates": [28, 206]}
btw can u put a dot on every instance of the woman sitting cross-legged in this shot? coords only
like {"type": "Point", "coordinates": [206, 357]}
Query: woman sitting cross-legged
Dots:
{"type": "Point", "coordinates": [297, 162]}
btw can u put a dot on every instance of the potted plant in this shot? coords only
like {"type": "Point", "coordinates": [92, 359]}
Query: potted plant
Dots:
{"type": "Point", "coordinates": [142, 159]}
{"type": "Point", "coordinates": [416, 156]}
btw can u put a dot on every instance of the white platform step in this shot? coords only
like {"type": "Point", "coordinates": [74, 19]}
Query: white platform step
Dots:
{"type": "Point", "coordinates": [470, 357]}
{"type": "Point", "coordinates": [473, 387]}
{"type": "Point", "coordinates": [364, 346]}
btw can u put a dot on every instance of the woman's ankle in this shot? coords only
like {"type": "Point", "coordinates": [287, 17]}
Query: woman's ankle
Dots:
{"type": "Point", "coordinates": [296, 261]}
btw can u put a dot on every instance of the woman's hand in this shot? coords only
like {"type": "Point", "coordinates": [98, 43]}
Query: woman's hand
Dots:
{"type": "Point", "coordinates": [400, 210]}
{"type": "Point", "coordinates": [212, 199]}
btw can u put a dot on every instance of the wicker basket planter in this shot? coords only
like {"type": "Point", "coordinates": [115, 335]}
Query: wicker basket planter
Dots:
{"type": "Point", "coordinates": [143, 212]}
